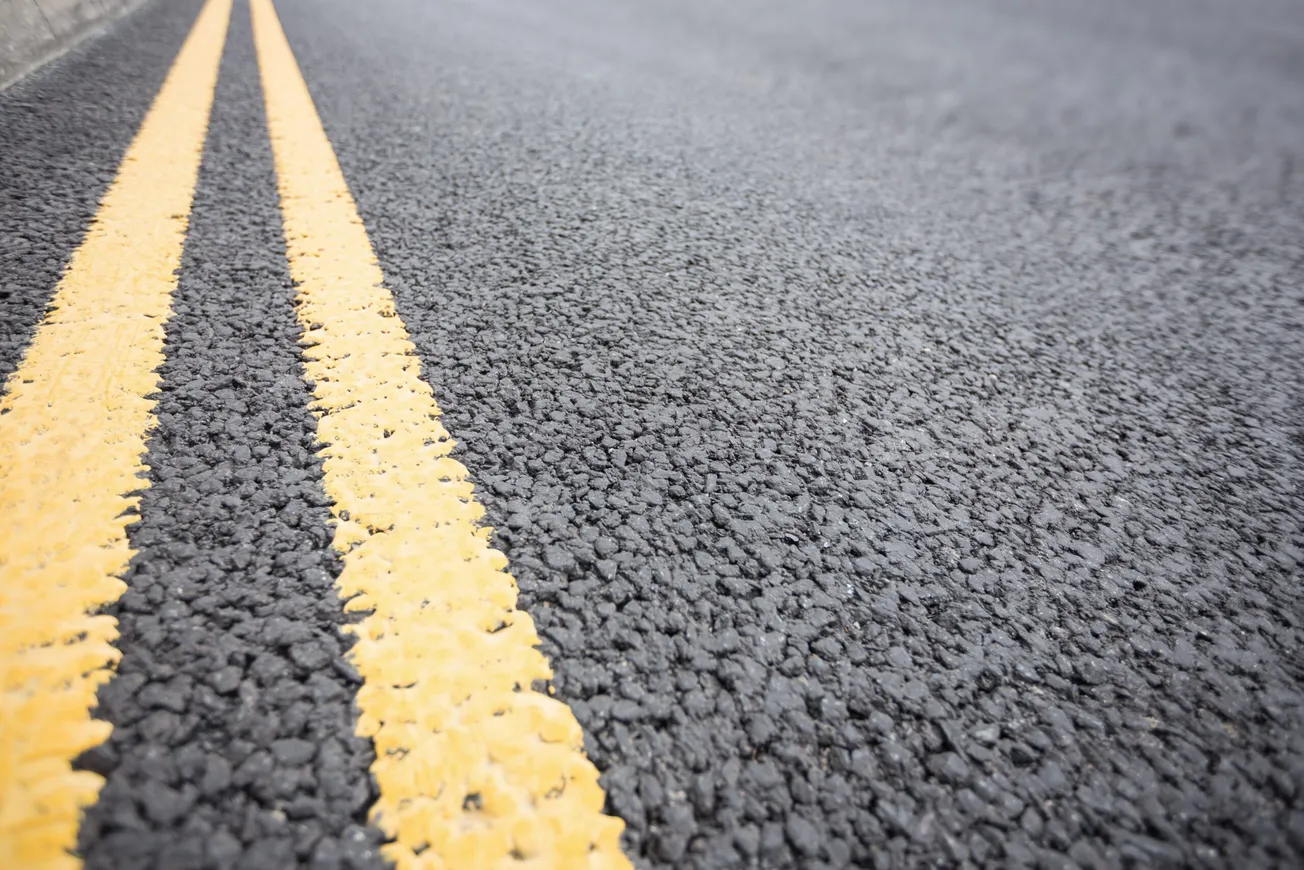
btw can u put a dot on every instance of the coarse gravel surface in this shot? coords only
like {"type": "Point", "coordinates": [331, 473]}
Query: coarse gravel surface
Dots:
{"type": "Point", "coordinates": [891, 411]}
{"type": "Point", "coordinates": [232, 710]}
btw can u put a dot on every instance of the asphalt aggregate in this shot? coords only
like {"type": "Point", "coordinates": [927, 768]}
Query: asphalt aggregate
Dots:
{"type": "Point", "coordinates": [232, 708]}
{"type": "Point", "coordinates": [892, 413]}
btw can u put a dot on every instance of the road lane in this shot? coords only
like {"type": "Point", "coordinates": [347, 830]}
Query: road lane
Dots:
{"type": "Point", "coordinates": [891, 411]}
{"type": "Point", "coordinates": [73, 421]}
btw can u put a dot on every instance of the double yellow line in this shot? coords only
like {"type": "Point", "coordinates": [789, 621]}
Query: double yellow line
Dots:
{"type": "Point", "coordinates": [475, 768]}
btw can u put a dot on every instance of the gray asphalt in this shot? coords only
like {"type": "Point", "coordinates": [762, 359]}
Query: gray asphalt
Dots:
{"type": "Point", "coordinates": [892, 413]}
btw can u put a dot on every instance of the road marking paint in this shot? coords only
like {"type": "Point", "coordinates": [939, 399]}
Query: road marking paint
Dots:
{"type": "Point", "coordinates": [475, 768]}
{"type": "Point", "coordinates": [72, 440]}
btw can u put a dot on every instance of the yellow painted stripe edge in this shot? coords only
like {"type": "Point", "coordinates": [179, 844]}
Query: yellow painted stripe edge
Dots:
{"type": "Point", "coordinates": [476, 769]}
{"type": "Point", "coordinates": [73, 423]}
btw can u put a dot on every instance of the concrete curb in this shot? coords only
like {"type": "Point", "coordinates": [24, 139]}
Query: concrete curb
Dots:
{"type": "Point", "coordinates": [34, 32]}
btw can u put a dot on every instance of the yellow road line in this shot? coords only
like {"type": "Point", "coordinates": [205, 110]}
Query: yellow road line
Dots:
{"type": "Point", "coordinates": [475, 768]}
{"type": "Point", "coordinates": [72, 437]}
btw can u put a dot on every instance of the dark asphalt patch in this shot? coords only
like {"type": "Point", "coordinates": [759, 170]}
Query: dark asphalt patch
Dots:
{"type": "Point", "coordinates": [63, 131]}
{"type": "Point", "coordinates": [232, 746]}
{"type": "Point", "coordinates": [896, 434]}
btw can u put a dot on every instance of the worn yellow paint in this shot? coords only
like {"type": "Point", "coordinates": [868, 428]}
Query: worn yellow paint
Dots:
{"type": "Point", "coordinates": [73, 424]}
{"type": "Point", "coordinates": [476, 769]}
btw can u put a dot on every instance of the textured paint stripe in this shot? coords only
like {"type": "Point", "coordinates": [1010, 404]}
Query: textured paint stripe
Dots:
{"type": "Point", "coordinates": [476, 769]}
{"type": "Point", "coordinates": [73, 424]}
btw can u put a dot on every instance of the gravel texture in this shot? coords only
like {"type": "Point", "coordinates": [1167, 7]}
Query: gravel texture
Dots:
{"type": "Point", "coordinates": [232, 709]}
{"type": "Point", "coordinates": [891, 412]}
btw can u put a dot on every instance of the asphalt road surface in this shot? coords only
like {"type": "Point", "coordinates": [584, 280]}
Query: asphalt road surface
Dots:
{"type": "Point", "coordinates": [892, 413]}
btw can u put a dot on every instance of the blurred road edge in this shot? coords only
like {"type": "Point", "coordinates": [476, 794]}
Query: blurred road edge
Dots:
{"type": "Point", "coordinates": [35, 32]}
